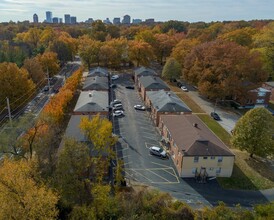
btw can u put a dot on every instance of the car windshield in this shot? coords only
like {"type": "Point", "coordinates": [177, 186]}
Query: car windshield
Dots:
{"type": "Point", "coordinates": [161, 150]}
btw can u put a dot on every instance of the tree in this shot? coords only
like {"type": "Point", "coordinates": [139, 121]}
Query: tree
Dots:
{"type": "Point", "coordinates": [99, 31]}
{"type": "Point", "coordinates": [140, 52]}
{"type": "Point", "coordinates": [72, 174]}
{"type": "Point", "coordinates": [49, 62]}
{"type": "Point", "coordinates": [35, 70]}
{"type": "Point", "coordinates": [253, 132]}
{"type": "Point", "coordinates": [172, 69]}
{"type": "Point", "coordinates": [220, 69]}
{"type": "Point", "coordinates": [22, 193]}
{"type": "Point", "coordinates": [120, 46]}
{"type": "Point", "coordinates": [179, 26]}
{"type": "Point", "coordinates": [15, 84]}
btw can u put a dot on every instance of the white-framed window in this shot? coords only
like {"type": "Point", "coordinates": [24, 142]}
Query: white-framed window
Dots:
{"type": "Point", "coordinates": [196, 159]}
{"type": "Point", "coordinates": [212, 157]}
{"type": "Point", "coordinates": [194, 170]}
{"type": "Point", "coordinates": [218, 170]}
{"type": "Point", "coordinates": [220, 159]}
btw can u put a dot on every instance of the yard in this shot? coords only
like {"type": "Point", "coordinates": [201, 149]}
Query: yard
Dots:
{"type": "Point", "coordinates": [248, 173]}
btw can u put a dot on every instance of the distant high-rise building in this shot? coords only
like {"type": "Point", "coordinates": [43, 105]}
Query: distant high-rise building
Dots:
{"type": "Point", "coordinates": [116, 21]}
{"type": "Point", "coordinates": [90, 21]}
{"type": "Point", "coordinates": [60, 20]}
{"type": "Point", "coordinates": [67, 19]}
{"type": "Point", "coordinates": [126, 19]}
{"type": "Point", "coordinates": [136, 21]}
{"type": "Point", "coordinates": [149, 21]}
{"type": "Point", "coordinates": [73, 20]}
{"type": "Point", "coordinates": [55, 20]}
{"type": "Point", "coordinates": [48, 16]}
{"type": "Point", "coordinates": [35, 18]}
{"type": "Point", "coordinates": [107, 21]}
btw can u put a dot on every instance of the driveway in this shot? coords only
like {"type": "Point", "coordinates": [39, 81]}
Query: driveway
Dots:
{"type": "Point", "coordinates": [228, 118]}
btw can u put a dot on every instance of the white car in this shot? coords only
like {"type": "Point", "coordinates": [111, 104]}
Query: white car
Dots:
{"type": "Point", "coordinates": [114, 77]}
{"type": "Point", "coordinates": [157, 151]}
{"type": "Point", "coordinates": [118, 113]}
{"type": "Point", "coordinates": [115, 101]}
{"type": "Point", "coordinates": [184, 89]}
{"type": "Point", "coordinates": [140, 107]}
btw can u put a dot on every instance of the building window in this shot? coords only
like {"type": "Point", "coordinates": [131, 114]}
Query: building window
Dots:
{"type": "Point", "coordinates": [212, 158]}
{"type": "Point", "coordinates": [205, 158]}
{"type": "Point", "coordinates": [196, 159]}
{"type": "Point", "coordinates": [194, 170]}
{"type": "Point", "coordinates": [220, 159]}
{"type": "Point", "coordinates": [211, 168]}
{"type": "Point", "coordinates": [218, 170]}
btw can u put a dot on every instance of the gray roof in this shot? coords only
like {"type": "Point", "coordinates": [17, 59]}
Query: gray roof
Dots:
{"type": "Point", "coordinates": [144, 71]}
{"type": "Point", "coordinates": [164, 101]}
{"type": "Point", "coordinates": [194, 141]}
{"type": "Point", "coordinates": [96, 83]}
{"type": "Point", "coordinates": [98, 71]}
{"type": "Point", "coordinates": [153, 82]}
{"type": "Point", "coordinates": [73, 131]}
{"type": "Point", "coordinates": [92, 101]}
{"type": "Point", "coordinates": [270, 83]}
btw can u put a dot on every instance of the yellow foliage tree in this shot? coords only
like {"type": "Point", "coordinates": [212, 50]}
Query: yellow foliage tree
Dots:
{"type": "Point", "coordinates": [22, 194]}
{"type": "Point", "coordinates": [49, 62]}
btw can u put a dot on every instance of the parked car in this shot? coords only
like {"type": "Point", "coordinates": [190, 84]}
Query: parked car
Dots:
{"type": "Point", "coordinates": [115, 101]}
{"type": "Point", "coordinates": [179, 84]}
{"type": "Point", "coordinates": [157, 151]}
{"type": "Point", "coordinates": [184, 89]}
{"type": "Point", "coordinates": [129, 87]}
{"type": "Point", "coordinates": [118, 113]}
{"type": "Point", "coordinates": [215, 116]}
{"type": "Point", "coordinates": [140, 107]}
{"type": "Point", "coordinates": [117, 107]}
{"type": "Point", "coordinates": [114, 77]}
{"type": "Point", "coordinates": [46, 88]}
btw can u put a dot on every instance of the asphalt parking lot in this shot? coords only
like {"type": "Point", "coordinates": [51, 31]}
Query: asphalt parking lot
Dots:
{"type": "Point", "coordinates": [136, 134]}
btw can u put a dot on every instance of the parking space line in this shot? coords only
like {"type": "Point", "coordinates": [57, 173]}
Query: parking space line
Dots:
{"type": "Point", "coordinates": [161, 165]}
{"type": "Point", "coordinates": [150, 170]}
{"type": "Point", "coordinates": [173, 174]}
{"type": "Point", "coordinates": [149, 138]}
{"type": "Point", "coordinates": [138, 173]}
{"type": "Point", "coordinates": [146, 143]}
{"type": "Point", "coordinates": [126, 156]}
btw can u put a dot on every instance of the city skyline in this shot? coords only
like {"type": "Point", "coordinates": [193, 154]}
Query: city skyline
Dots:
{"type": "Point", "coordinates": [184, 10]}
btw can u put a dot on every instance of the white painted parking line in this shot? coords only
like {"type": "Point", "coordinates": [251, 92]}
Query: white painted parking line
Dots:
{"type": "Point", "coordinates": [148, 145]}
{"type": "Point", "coordinates": [158, 175]}
{"type": "Point", "coordinates": [150, 138]}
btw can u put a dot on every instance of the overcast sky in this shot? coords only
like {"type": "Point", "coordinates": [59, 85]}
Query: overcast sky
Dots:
{"type": "Point", "coordinates": [160, 10]}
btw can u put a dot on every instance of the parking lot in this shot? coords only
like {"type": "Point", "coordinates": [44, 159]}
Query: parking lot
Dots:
{"type": "Point", "coordinates": [136, 134]}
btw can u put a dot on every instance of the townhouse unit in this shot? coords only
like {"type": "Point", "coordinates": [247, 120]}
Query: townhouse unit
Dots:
{"type": "Point", "coordinates": [98, 71]}
{"type": "Point", "coordinates": [194, 149]}
{"type": "Point", "coordinates": [165, 103]}
{"type": "Point", "coordinates": [269, 86]}
{"type": "Point", "coordinates": [143, 71]}
{"type": "Point", "coordinates": [92, 103]}
{"type": "Point", "coordinates": [99, 83]}
{"type": "Point", "coordinates": [151, 83]}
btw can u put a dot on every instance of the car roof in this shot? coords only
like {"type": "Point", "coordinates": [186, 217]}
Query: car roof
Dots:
{"type": "Point", "coordinates": [155, 148]}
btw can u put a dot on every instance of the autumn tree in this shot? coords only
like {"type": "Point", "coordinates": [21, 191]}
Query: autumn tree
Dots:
{"type": "Point", "coordinates": [220, 68]}
{"type": "Point", "coordinates": [49, 62]}
{"type": "Point", "coordinates": [98, 31]}
{"type": "Point", "coordinates": [35, 70]}
{"type": "Point", "coordinates": [182, 49]}
{"type": "Point", "coordinates": [140, 52]}
{"type": "Point", "coordinates": [89, 50]}
{"type": "Point", "coordinates": [31, 37]}
{"type": "Point", "coordinates": [72, 173]}
{"type": "Point", "coordinates": [15, 84]}
{"type": "Point", "coordinates": [253, 132]}
{"type": "Point", "coordinates": [107, 54]}
{"type": "Point", "coordinates": [178, 26]}
{"type": "Point", "coordinates": [172, 69]}
{"type": "Point", "coordinates": [120, 55]}
{"type": "Point", "coordinates": [23, 195]}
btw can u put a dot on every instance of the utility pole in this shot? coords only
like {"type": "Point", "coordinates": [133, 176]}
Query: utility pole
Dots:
{"type": "Point", "coordinates": [8, 104]}
{"type": "Point", "coordinates": [48, 79]}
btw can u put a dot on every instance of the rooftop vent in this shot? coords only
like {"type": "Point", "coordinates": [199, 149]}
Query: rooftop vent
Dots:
{"type": "Point", "coordinates": [195, 125]}
{"type": "Point", "coordinates": [90, 95]}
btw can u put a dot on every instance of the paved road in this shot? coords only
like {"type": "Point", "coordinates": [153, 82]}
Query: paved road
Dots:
{"type": "Point", "coordinates": [138, 133]}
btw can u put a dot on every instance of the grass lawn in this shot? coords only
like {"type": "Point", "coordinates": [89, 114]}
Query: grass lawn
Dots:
{"type": "Point", "coordinates": [216, 128]}
{"type": "Point", "coordinates": [186, 99]}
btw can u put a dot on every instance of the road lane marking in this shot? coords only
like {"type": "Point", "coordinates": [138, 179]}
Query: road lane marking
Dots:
{"type": "Point", "coordinates": [138, 173]}
{"type": "Point", "coordinates": [150, 170]}
{"type": "Point", "coordinates": [161, 165]}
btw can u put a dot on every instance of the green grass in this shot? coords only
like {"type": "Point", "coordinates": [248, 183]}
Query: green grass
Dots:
{"type": "Point", "coordinates": [216, 128]}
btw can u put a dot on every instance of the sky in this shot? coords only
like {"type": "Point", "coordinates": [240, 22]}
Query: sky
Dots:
{"type": "Point", "coordinates": [160, 10]}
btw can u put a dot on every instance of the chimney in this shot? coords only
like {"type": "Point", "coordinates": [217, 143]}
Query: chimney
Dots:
{"type": "Point", "coordinates": [195, 125]}
{"type": "Point", "coordinates": [90, 95]}
{"type": "Point", "coordinates": [169, 93]}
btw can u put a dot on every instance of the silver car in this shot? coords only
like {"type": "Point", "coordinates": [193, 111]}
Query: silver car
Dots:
{"type": "Point", "coordinates": [157, 151]}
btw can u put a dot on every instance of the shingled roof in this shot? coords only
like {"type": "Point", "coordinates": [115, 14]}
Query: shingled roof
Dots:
{"type": "Point", "coordinates": [193, 137]}
{"type": "Point", "coordinates": [144, 71]}
{"type": "Point", "coordinates": [96, 83]}
{"type": "Point", "coordinates": [98, 71]}
{"type": "Point", "coordinates": [164, 101]}
{"type": "Point", "coordinates": [153, 82]}
{"type": "Point", "coordinates": [92, 101]}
